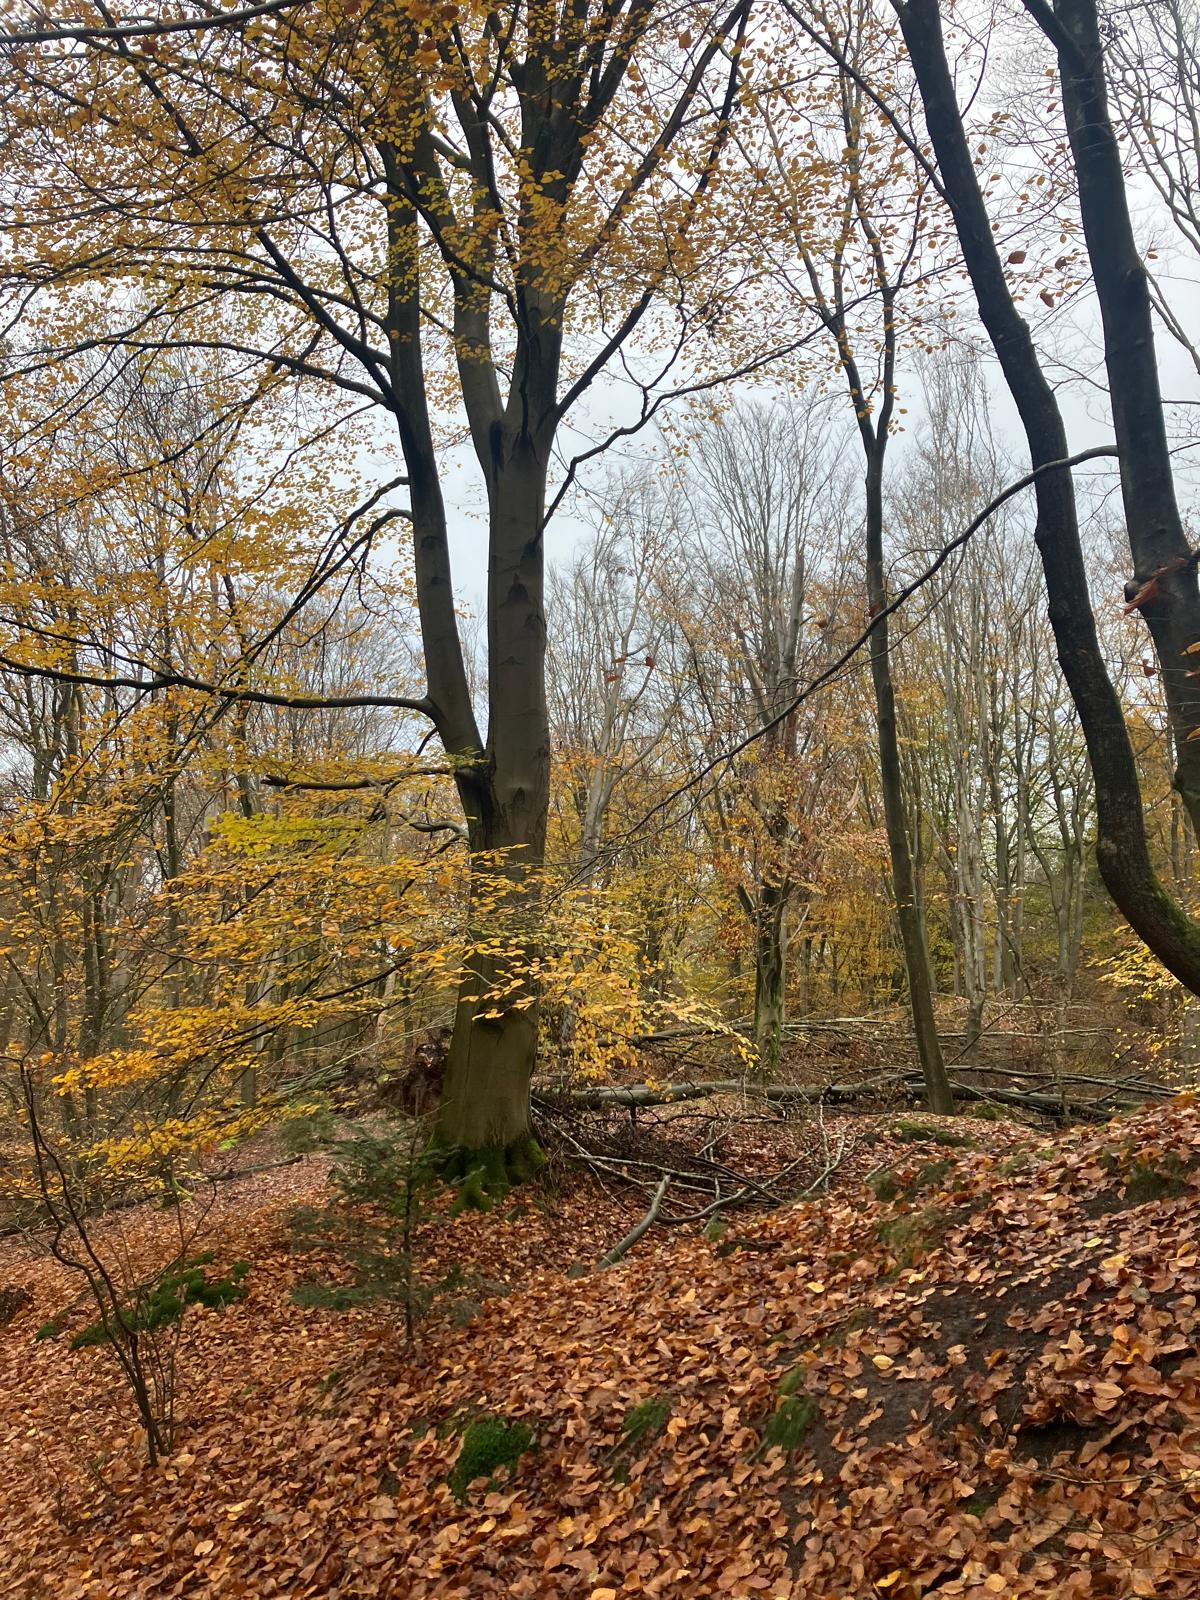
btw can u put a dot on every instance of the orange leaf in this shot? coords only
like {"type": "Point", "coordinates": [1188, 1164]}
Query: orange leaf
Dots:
{"type": "Point", "coordinates": [1147, 591]}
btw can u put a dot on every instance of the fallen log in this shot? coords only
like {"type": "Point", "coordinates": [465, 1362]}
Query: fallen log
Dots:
{"type": "Point", "coordinates": [1132, 1085]}
{"type": "Point", "coordinates": [1059, 1107]}
{"type": "Point", "coordinates": [598, 1097]}
{"type": "Point", "coordinates": [636, 1096]}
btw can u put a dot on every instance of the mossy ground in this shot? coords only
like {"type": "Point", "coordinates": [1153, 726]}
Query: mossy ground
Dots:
{"type": "Point", "coordinates": [1163, 1180]}
{"type": "Point", "coordinates": [914, 1234]}
{"type": "Point", "coordinates": [914, 1132]}
{"type": "Point", "coordinates": [489, 1444]}
{"type": "Point", "coordinates": [648, 1418]}
{"type": "Point", "coordinates": [162, 1302]}
{"type": "Point", "coordinates": [888, 1185]}
{"type": "Point", "coordinates": [789, 1424]}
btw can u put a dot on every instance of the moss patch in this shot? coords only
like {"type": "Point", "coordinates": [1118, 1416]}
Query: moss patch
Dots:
{"type": "Point", "coordinates": [791, 1381]}
{"type": "Point", "coordinates": [889, 1185]}
{"type": "Point", "coordinates": [884, 1185]}
{"type": "Point", "coordinates": [489, 1444]}
{"type": "Point", "coordinates": [485, 1176]}
{"type": "Point", "coordinates": [912, 1235]}
{"type": "Point", "coordinates": [650, 1417]}
{"type": "Point", "coordinates": [163, 1302]}
{"type": "Point", "coordinates": [929, 1176]}
{"type": "Point", "coordinates": [932, 1133]}
{"type": "Point", "coordinates": [788, 1425]}
{"type": "Point", "coordinates": [1147, 1182]}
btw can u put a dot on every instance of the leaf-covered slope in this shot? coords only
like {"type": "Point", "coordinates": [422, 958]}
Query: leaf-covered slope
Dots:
{"type": "Point", "coordinates": [986, 1385]}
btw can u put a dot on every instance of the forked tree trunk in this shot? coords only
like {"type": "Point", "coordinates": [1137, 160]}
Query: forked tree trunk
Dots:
{"type": "Point", "coordinates": [484, 1115]}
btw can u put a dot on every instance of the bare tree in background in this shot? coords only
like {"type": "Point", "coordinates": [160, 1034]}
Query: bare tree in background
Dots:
{"type": "Point", "coordinates": [770, 495]}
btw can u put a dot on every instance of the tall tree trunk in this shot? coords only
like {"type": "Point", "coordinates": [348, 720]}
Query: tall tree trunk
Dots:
{"type": "Point", "coordinates": [484, 1115]}
{"type": "Point", "coordinates": [1161, 554]}
{"type": "Point", "coordinates": [770, 974]}
{"type": "Point", "coordinates": [908, 912]}
{"type": "Point", "coordinates": [1122, 851]}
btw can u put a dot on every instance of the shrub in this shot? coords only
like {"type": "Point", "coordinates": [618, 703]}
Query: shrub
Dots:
{"type": "Point", "coordinates": [382, 1181]}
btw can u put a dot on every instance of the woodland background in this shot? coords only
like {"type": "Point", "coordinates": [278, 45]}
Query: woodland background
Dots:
{"type": "Point", "coordinates": [848, 757]}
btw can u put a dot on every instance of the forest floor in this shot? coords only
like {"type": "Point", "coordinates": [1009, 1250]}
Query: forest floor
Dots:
{"type": "Point", "coordinates": [979, 1377]}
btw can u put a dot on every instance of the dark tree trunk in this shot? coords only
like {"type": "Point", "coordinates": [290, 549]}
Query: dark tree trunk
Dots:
{"type": "Point", "coordinates": [484, 1115]}
{"type": "Point", "coordinates": [1122, 851]}
{"type": "Point", "coordinates": [504, 786]}
{"type": "Point", "coordinates": [1157, 542]}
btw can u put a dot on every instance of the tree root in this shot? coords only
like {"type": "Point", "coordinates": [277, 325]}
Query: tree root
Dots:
{"type": "Point", "coordinates": [484, 1176]}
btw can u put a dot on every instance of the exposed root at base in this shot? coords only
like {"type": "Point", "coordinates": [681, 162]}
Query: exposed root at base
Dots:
{"type": "Point", "coordinates": [486, 1175]}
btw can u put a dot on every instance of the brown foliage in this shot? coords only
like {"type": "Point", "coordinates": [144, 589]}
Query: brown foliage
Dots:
{"type": "Point", "coordinates": [1002, 1367]}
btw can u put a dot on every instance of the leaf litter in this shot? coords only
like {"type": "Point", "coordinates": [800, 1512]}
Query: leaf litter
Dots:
{"type": "Point", "coordinates": [1001, 1398]}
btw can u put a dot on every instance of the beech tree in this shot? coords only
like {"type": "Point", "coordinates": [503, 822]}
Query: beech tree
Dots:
{"type": "Point", "coordinates": [455, 217]}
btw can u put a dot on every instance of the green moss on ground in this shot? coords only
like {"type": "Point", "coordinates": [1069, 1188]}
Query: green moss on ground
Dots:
{"type": "Point", "coordinates": [489, 1444]}
{"type": "Point", "coordinates": [929, 1176]}
{"type": "Point", "coordinates": [648, 1418]}
{"type": "Point", "coordinates": [888, 1185]}
{"type": "Point", "coordinates": [914, 1234]}
{"type": "Point", "coordinates": [914, 1132]}
{"type": "Point", "coordinates": [788, 1425]}
{"type": "Point", "coordinates": [884, 1185]}
{"type": "Point", "coordinates": [163, 1301]}
{"type": "Point", "coordinates": [484, 1177]}
{"type": "Point", "coordinates": [1147, 1181]}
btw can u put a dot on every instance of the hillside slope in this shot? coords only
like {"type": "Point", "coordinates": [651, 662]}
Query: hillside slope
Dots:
{"type": "Point", "coordinates": [983, 1382]}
